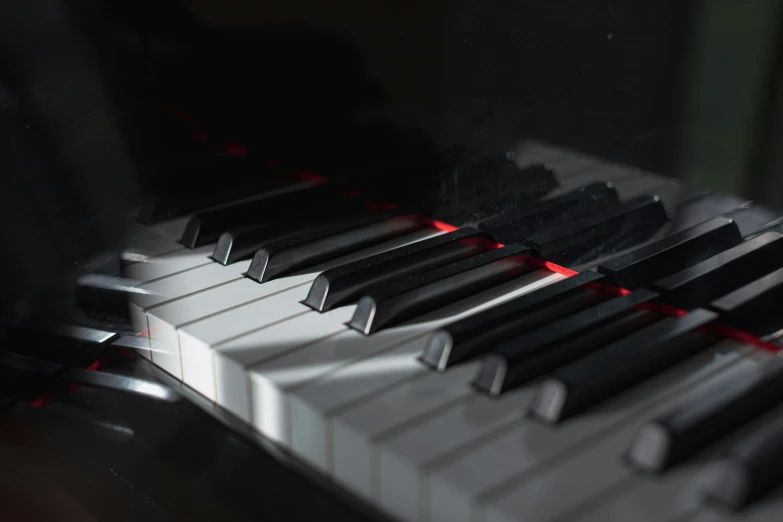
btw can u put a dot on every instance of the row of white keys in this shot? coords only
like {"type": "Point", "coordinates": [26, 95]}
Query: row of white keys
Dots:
{"type": "Point", "coordinates": [564, 485]}
{"type": "Point", "coordinates": [298, 412]}
{"type": "Point", "coordinates": [228, 311]}
{"type": "Point", "coordinates": [410, 469]}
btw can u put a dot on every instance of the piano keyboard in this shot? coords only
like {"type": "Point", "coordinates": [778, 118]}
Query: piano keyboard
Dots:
{"type": "Point", "coordinates": [604, 352]}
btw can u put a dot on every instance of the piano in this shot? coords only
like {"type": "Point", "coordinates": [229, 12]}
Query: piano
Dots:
{"type": "Point", "coordinates": [537, 334]}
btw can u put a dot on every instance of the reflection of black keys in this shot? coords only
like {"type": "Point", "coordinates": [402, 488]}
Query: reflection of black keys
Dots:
{"type": "Point", "coordinates": [752, 306]}
{"type": "Point", "coordinates": [395, 303]}
{"type": "Point", "coordinates": [750, 470]}
{"type": "Point", "coordinates": [532, 354]}
{"type": "Point", "coordinates": [206, 227]}
{"type": "Point", "coordinates": [518, 224]}
{"type": "Point", "coordinates": [241, 243]}
{"type": "Point", "coordinates": [622, 364]}
{"type": "Point", "coordinates": [734, 400]}
{"type": "Point", "coordinates": [720, 274]}
{"type": "Point", "coordinates": [105, 296]}
{"type": "Point", "coordinates": [473, 335]}
{"type": "Point", "coordinates": [57, 342]}
{"type": "Point", "coordinates": [678, 251]}
{"type": "Point", "coordinates": [305, 250]}
{"type": "Point", "coordinates": [617, 228]}
{"type": "Point", "coordinates": [345, 283]}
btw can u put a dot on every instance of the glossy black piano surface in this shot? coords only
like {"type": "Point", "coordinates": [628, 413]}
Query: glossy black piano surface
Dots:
{"type": "Point", "coordinates": [436, 261]}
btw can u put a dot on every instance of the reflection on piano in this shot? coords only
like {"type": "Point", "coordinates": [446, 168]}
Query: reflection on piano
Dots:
{"type": "Point", "coordinates": [604, 349]}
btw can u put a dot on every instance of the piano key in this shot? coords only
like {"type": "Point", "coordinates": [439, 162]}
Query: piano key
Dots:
{"type": "Point", "coordinates": [624, 363]}
{"type": "Point", "coordinates": [753, 219]}
{"type": "Point", "coordinates": [677, 496]}
{"type": "Point", "coordinates": [748, 307]}
{"type": "Point", "coordinates": [369, 363]}
{"type": "Point", "coordinates": [646, 264]}
{"type": "Point", "coordinates": [766, 511]}
{"type": "Point", "coordinates": [165, 319]}
{"type": "Point", "coordinates": [462, 340]}
{"type": "Point", "coordinates": [530, 355]}
{"type": "Point", "coordinates": [206, 227]}
{"type": "Point", "coordinates": [344, 283]}
{"type": "Point", "coordinates": [722, 273]}
{"type": "Point", "coordinates": [750, 470]}
{"type": "Point", "coordinates": [297, 253]}
{"type": "Point", "coordinates": [619, 227]}
{"type": "Point", "coordinates": [56, 341]}
{"type": "Point", "coordinates": [199, 339]}
{"type": "Point", "coordinates": [458, 484]}
{"type": "Point", "coordinates": [568, 485]}
{"type": "Point", "coordinates": [517, 225]}
{"type": "Point", "coordinates": [149, 248]}
{"type": "Point", "coordinates": [241, 243]}
{"type": "Point", "coordinates": [679, 435]}
{"type": "Point", "coordinates": [169, 264]}
{"type": "Point", "coordinates": [180, 285]}
{"type": "Point", "coordinates": [392, 304]}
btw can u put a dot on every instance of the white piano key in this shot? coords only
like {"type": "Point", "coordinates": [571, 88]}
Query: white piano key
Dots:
{"type": "Point", "coordinates": [198, 340]}
{"type": "Point", "coordinates": [165, 319]}
{"type": "Point", "coordinates": [176, 287]}
{"type": "Point", "coordinates": [169, 264]}
{"type": "Point", "coordinates": [356, 430]}
{"type": "Point", "coordinates": [309, 407]}
{"type": "Point", "coordinates": [455, 487]}
{"type": "Point", "coordinates": [562, 487]}
{"type": "Point", "coordinates": [232, 359]}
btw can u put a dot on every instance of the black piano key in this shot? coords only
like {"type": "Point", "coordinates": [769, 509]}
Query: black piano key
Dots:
{"type": "Point", "coordinates": [518, 224]}
{"type": "Point", "coordinates": [754, 219]}
{"type": "Point", "coordinates": [300, 251]}
{"type": "Point", "coordinates": [346, 283]}
{"type": "Point", "coordinates": [532, 354]}
{"type": "Point", "coordinates": [749, 307]}
{"type": "Point", "coordinates": [732, 402]}
{"type": "Point", "coordinates": [206, 227]}
{"type": "Point", "coordinates": [614, 229]}
{"type": "Point", "coordinates": [720, 274]}
{"type": "Point", "coordinates": [241, 243]}
{"type": "Point", "coordinates": [395, 303]}
{"type": "Point", "coordinates": [646, 264]}
{"type": "Point", "coordinates": [471, 336]}
{"type": "Point", "coordinates": [751, 469]}
{"type": "Point", "coordinates": [622, 364]}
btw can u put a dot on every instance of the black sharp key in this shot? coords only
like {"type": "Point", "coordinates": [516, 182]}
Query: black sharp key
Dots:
{"type": "Point", "coordinates": [241, 243]}
{"type": "Point", "coordinates": [395, 303]}
{"type": "Point", "coordinates": [517, 225]}
{"type": "Point", "coordinates": [751, 469]}
{"type": "Point", "coordinates": [206, 227]}
{"type": "Point", "coordinates": [615, 229]}
{"type": "Point", "coordinates": [471, 336]}
{"type": "Point", "coordinates": [738, 397]}
{"type": "Point", "coordinates": [683, 249]}
{"type": "Point", "coordinates": [104, 296]}
{"type": "Point", "coordinates": [622, 364]}
{"type": "Point", "coordinates": [701, 283]}
{"type": "Point", "coordinates": [346, 283]}
{"type": "Point", "coordinates": [752, 307]}
{"type": "Point", "coordinates": [530, 355]}
{"type": "Point", "coordinates": [754, 219]}
{"type": "Point", "coordinates": [305, 250]}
